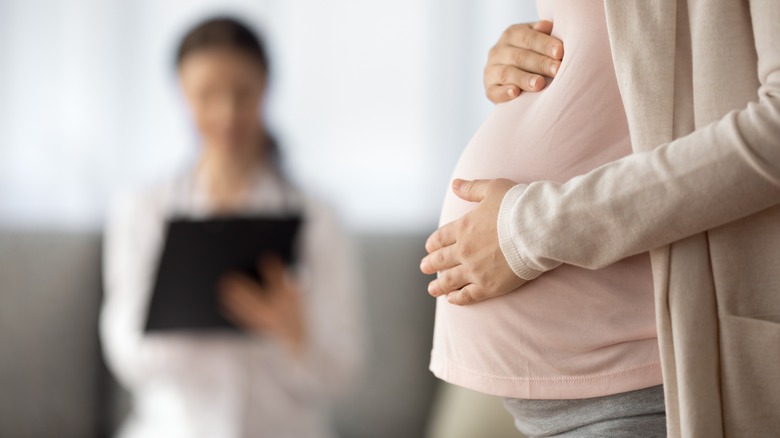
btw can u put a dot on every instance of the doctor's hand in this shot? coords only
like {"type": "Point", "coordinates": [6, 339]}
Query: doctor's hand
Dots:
{"type": "Point", "coordinates": [274, 308]}
{"type": "Point", "coordinates": [466, 252]}
{"type": "Point", "coordinates": [519, 60]}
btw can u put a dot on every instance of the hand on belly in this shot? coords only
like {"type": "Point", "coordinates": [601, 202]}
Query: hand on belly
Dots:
{"type": "Point", "coordinates": [466, 252]}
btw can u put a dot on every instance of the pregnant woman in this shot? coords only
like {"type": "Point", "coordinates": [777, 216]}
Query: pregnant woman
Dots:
{"type": "Point", "coordinates": [546, 294]}
{"type": "Point", "coordinates": [574, 333]}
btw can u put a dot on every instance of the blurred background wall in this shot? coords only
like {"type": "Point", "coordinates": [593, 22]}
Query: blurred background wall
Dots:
{"type": "Point", "coordinates": [373, 100]}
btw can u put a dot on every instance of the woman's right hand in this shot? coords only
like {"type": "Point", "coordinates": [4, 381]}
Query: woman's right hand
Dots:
{"type": "Point", "coordinates": [521, 58]}
{"type": "Point", "coordinates": [275, 308]}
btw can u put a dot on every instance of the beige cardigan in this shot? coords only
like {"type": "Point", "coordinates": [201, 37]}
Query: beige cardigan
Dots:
{"type": "Point", "coordinates": [700, 80]}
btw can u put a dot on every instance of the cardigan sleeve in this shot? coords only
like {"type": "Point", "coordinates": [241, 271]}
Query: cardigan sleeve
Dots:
{"type": "Point", "coordinates": [718, 174]}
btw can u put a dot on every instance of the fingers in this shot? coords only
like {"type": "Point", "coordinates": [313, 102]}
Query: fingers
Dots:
{"type": "Point", "coordinates": [543, 26]}
{"type": "Point", "coordinates": [535, 38]}
{"type": "Point", "coordinates": [524, 54]}
{"type": "Point", "coordinates": [236, 283]}
{"type": "Point", "coordinates": [501, 78]}
{"type": "Point", "coordinates": [272, 269]}
{"type": "Point", "coordinates": [470, 294]}
{"type": "Point", "coordinates": [502, 93]}
{"type": "Point", "coordinates": [449, 280]}
{"type": "Point", "coordinates": [239, 290]}
{"type": "Point", "coordinates": [473, 191]}
{"type": "Point", "coordinates": [523, 60]}
{"type": "Point", "coordinates": [444, 236]}
{"type": "Point", "coordinates": [440, 260]}
{"type": "Point", "coordinates": [241, 302]}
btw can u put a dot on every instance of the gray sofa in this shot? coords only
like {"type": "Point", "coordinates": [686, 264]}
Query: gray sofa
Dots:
{"type": "Point", "coordinates": [53, 382]}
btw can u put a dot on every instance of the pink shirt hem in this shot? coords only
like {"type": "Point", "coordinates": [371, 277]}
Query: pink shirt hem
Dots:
{"type": "Point", "coordinates": [636, 377]}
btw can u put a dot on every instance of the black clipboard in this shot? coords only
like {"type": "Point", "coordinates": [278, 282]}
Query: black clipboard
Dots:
{"type": "Point", "coordinates": [195, 256]}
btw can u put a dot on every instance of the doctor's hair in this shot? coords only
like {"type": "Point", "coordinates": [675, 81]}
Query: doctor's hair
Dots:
{"type": "Point", "coordinates": [223, 33]}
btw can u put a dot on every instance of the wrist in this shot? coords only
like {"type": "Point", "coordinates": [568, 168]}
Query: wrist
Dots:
{"type": "Point", "coordinates": [505, 235]}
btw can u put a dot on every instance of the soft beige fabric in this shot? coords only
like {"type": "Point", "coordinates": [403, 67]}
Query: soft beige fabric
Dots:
{"type": "Point", "coordinates": [700, 81]}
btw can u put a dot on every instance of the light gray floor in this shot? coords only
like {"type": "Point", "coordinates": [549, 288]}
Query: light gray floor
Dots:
{"type": "Point", "coordinates": [462, 413]}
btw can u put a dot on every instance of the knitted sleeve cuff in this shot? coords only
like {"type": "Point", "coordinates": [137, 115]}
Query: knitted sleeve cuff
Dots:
{"type": "Point", "coordinates": [505, 234]}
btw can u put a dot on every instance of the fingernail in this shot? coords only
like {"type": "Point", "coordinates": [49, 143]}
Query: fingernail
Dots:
{"type": "Point", "coordinates": [554, 51]}
{"type": "Point", "coordinates": [434, 289]}
{"type": "Point", "coordinates": [456, 184]}
{"type": "Point", "coordinates": [534, 80]}
{"type": "Point", "coordinates": [511, 92]}
{"type": "Point", "coordinates": [554, 68]}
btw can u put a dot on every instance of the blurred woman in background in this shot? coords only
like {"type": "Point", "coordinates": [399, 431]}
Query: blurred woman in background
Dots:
{"type": "Point", "coordinates": [217, 384]}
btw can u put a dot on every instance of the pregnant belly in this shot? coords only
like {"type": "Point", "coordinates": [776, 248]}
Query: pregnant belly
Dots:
{"type": "Point", "coordinates": [572, 326]}
{"type": "Point", "coordinates": [554, 135]}
{"type": "Point", "coordinates": [570, 321]}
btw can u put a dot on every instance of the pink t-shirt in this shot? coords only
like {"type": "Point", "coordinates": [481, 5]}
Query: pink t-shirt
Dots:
{"type": "Point", "coordinates": [572, 332]}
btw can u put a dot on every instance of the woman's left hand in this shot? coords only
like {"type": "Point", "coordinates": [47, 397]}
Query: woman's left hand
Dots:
{"type": "Point", "coordinates": [521, 58]}
{"type": "Point", "coordinates": [466, 252]}
{"type": "Point", "coordinates": [273, 308]}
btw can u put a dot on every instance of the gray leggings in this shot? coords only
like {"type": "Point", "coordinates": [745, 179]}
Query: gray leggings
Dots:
{"type": "Point", "coordinates": [630, 414]}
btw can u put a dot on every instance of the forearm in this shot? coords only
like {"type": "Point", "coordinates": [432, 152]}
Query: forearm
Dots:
{"type": "Point", "coordinates": [715, 175]}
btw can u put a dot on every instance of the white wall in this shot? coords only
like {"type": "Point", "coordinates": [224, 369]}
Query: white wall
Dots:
{"type": "Point", "coordinates": [373, 100]}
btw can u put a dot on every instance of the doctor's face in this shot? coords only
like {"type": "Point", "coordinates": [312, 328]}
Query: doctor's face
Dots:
{"type": "Point", "coordinates": [224, 89]}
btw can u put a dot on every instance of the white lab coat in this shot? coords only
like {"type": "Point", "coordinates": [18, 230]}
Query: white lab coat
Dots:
{"type": "Point", "coordinates": [221, 385]}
